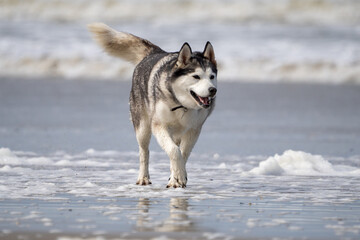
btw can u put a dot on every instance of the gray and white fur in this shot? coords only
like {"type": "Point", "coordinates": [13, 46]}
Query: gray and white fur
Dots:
{"type": "Point", "coordinates": [172, 95]}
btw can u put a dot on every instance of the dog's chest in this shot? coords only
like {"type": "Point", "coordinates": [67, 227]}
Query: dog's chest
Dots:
{"type": "Point", "coordinates": [181, 119]}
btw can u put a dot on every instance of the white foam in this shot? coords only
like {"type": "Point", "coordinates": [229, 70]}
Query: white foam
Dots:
{"type": "Point", "coordinates": [7, 157]}
{"type": "Point", "coordinates": [89, 185]}
{"type": "Point", "coordinates": [3, 188]}
{"type": "Point", "coordinates": [5, 168]}
{"type": "Point", "coordinates": [277, 48]}
{"type": "Point", "coordinates": [302, 164]}
{"type": "Point", "coordinates": [293, 11]}
{"type": "Point", "coordinates": [256, 222]}
{"type": "Point", "coordinates": [107, 174]}
{"type": "Point", "coordinates": [247, 61]}
{"type": "Point", "coordinates": [222, 166]}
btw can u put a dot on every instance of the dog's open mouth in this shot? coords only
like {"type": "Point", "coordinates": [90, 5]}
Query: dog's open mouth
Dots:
{"type": "Point", "coordinates": [202, 101]}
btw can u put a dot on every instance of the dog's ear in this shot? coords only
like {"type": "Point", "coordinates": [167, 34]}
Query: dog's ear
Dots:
{"type": "Point", "coordinates": [209, 53]}
{"type": "Point", "coordinates": [184, 54]}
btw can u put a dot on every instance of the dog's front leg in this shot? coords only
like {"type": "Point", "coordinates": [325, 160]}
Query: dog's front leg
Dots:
{"type": "Point", "coordinates": [188, 142]}
{"type": "Point", "coordinates": [178, 176]}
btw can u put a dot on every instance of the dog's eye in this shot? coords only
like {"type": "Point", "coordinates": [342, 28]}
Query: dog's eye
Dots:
{"type": "Point", "coordinates": [212, 77]}
{"type": "Point", "coordinates": [196, 77]}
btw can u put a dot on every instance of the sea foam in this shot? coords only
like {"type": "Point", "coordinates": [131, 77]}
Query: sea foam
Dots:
{"type": "Point", "coordinates": [113, 174]}
{"type": "Point", "coordinates": [263, 41]}
{"type": "Point", "coordinates": [302, 164]}
{"type": "Point", "coordinates": [294, 163]}
{"type": "Point", "coordinates": [293, 11]}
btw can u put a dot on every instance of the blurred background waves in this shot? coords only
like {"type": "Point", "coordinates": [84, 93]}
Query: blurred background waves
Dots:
{"type": "Point", "coordinates": [314, 41]}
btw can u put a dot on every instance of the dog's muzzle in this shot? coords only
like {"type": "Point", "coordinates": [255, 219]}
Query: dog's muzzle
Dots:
{"type": "Point", "coordinates": [205, 102]}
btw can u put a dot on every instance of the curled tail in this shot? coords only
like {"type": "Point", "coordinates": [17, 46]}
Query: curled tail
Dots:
{"type": "Point", "coordinates": [124, 45]}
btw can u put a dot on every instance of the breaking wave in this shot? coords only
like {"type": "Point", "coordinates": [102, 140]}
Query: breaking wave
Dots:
{"type": "Point", "coordinates": [290, 11]}
{"type": "Point", "coordinates": [258, 41]}
{"type": "Point", "coordinates": [239, 70]}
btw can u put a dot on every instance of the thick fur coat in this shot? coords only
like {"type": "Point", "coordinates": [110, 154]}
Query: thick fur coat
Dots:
{"type": "Point", "coordinates": [172, 95]}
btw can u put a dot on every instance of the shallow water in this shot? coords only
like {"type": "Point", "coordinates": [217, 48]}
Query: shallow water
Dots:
{"type": "Point", "coordinates": [93, 193]}
{"type": "Point", "coordinates": [176, 218]}
{"type": "Point", "coordinates": [113, 174]}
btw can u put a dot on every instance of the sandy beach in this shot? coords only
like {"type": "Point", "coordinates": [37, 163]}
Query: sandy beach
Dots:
{"type": "Point", "coordinates": [68, 164]}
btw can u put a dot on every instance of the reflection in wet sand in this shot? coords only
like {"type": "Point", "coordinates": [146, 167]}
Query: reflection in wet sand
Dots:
{"type": "Point", "coordinates": [177, 220]}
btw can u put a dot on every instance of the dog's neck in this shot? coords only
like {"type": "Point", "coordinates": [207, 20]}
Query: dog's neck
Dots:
{"type": "Point", "coordinates": [178, 107]}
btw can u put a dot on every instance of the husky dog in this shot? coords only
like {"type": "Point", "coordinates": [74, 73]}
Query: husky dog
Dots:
{"type": "Point", "coordinates": [172, 94]}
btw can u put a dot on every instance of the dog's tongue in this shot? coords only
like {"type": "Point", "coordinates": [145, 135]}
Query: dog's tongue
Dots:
{"type": "Point", "coordinates": [204, 100]}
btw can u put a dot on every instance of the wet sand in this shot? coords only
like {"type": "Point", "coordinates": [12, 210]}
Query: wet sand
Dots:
{"type": "Point", "coordinates": [69, 117]}
{"type": "Point", "coordinates": [48, 115]}
{"type": "Point", "coordinates": [177, 218]}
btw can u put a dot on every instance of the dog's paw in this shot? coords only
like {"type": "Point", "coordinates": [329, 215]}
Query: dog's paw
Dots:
{"type": "Point", "coordinates": [177, 182]}
{"type": "Point", "coordinates": [143, 181]}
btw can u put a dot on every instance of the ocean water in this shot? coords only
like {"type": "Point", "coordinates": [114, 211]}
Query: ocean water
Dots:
{"type": "Point", "coordinates": [257, 41]}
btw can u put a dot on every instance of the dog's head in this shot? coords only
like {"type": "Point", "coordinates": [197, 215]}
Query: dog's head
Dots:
{"type": "Point", "coordinates": [194, 77]}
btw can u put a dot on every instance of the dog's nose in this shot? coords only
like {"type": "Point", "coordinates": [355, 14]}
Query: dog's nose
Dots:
{"type": "Point", "coordinates": [212, 91]}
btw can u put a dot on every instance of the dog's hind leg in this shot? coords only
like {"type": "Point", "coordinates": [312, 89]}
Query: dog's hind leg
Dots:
{"type": "Point", "coordinates": [178, 176]}
{"type": "Point", "coordinates": [143, 136]}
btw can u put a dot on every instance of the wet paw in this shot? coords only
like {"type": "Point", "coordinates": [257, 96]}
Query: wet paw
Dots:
{"type": "Point", "coordinates": [177, 182]}
{"type": "Point", "coordinates": [143, 181]}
